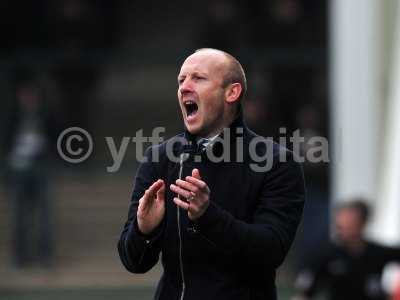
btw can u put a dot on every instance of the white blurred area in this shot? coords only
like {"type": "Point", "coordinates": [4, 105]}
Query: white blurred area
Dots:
{"type": "Point", "coordinates": [365, 106]}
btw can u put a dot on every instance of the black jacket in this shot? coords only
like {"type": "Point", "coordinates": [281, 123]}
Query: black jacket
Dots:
{"type": "Point", "coordinates": [233, 250]}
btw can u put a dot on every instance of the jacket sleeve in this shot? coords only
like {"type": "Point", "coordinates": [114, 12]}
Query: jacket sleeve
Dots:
{"type": "Point", "coordinates": [139, 252]}
{"type": "Point", "coordinates": [265, 240]}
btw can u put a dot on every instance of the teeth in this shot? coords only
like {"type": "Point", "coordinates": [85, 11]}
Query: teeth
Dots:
{"type": "Point", "coordinates": [189, 102]}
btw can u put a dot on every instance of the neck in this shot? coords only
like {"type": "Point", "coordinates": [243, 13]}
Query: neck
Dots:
{"type": "Point", "coordinates": [232, 121]}
{"type": "Point", "coordinates": [356, 246]}
{"type": "Point", "coordinates": [227, 121]}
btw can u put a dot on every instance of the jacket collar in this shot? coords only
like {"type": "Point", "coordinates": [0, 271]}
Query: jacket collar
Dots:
{"type": "Point", "coordinates": [236, 129]}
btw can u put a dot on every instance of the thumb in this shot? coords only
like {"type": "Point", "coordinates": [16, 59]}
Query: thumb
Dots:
{"type": "Point", "coordinates": [196, 173]}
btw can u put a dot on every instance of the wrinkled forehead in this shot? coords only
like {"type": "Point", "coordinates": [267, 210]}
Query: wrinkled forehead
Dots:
{"type": "Point", "coordinates": [207, 62]}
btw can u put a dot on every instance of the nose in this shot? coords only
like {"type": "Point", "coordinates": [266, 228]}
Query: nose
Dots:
{"type": "Point", "coordinates": [185, 86]}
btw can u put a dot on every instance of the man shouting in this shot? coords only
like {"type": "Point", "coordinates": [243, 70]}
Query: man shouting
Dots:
{"type": "Point", "coordinates": [225, 212]}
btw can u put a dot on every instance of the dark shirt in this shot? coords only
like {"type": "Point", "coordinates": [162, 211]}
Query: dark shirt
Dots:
{"type": "Point", "coordinates": [347, 275]}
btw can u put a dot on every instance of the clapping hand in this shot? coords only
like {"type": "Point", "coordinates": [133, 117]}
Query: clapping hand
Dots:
{"type": "Point", "coordinates": [196, 193]}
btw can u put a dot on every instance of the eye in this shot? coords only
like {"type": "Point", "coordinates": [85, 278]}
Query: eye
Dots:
{"type": "Point", "coordinates": [197, 77]}
{"type": "Point", "coordinates": [180, 80]}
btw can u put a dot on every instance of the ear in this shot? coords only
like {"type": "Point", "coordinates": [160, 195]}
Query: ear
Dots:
{"type": "Point", "coordinates": [232, 92]}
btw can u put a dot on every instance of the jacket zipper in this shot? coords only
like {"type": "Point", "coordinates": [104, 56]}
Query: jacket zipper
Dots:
{"type": "Point", "coordinates": [178, 216]}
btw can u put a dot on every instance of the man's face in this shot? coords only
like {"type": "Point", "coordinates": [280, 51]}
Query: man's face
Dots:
{"type": "Point", "coordinates": [349, 225]}
{"type": "Point", "coordinates": [201, 94]}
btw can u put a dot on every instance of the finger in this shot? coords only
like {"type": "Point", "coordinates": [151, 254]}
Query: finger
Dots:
{"type": "Point", "coordinates": [181, 203]}
{"type": "Point", "coordinates": [150, 193]}
{"type": "Point", "coordinates": [144, 202]}
{"type": "Point", "coordinates": [196, 173]}
{"type": "Point", "coordinates": [155, 187]}
{"type": "Point", "coordinates": [180, 191]}
{"type": "Point", "coordinates": [161, 192]}
{"type": "Point", "coordinates": [187, 186]}
{"type": "Point", "coordinates": [197, 182]}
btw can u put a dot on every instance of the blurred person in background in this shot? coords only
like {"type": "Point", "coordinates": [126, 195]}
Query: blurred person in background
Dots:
{"type": "Point", "coordinates": [29, 132]}
{"type": "Point", "coordinates": [315, 228]}
{"type": "Point", "coordinates": [351, 267]}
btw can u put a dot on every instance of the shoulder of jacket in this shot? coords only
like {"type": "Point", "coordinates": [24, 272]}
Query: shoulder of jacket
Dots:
{"type": "Point", "coordinates": [265, 145]}
{"type": "Point", "coordinates": [172, 142]}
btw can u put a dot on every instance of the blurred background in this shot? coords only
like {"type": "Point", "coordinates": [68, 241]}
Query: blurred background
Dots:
{"type": "Point", "coordinates": [328, 68]}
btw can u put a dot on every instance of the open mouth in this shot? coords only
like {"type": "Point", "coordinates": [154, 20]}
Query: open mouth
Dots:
{"type": "Point", "coordinates": [191, 108]}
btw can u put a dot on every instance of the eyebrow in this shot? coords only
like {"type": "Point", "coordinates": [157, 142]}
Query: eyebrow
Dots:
{"type": "Point", "coordinates": [194, 73]}
{"type": "Point", "coordinates": [199, 73]}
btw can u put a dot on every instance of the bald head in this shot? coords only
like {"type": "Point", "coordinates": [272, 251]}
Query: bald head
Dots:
{"type": "Point", "coordinates": [232, 69]}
